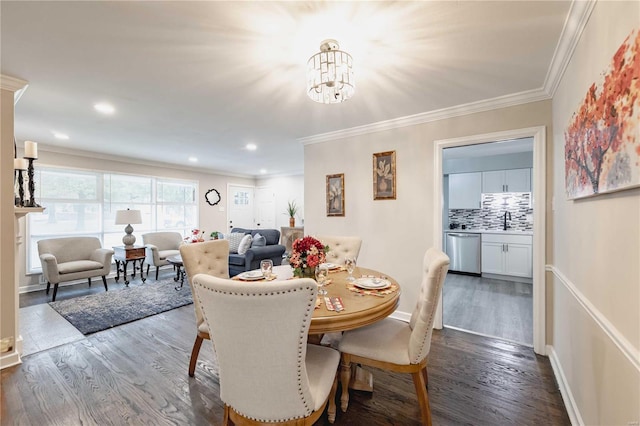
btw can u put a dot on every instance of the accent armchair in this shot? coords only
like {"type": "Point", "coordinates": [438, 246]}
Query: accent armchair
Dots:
{"type": "Point", "coordinates": [73, 258]}
{"type": "Point", "coordinates": [159, 246]}
{"type": "Point", "coordinates": [398, 346]}
{"type": "Point", "coordinates": [212, 258]}
{"type": "Point", "coordinates": [268, 373]}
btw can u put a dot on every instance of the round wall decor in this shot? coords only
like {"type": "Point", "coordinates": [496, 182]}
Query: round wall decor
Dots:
{"type": "Point", "coordinates": [212, 197]}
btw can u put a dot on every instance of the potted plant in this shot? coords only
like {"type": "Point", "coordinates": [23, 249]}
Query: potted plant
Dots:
{"type": "Point", "coordinates": [214, 235]}
{"type": "Point", "coordinates": [292, 209]}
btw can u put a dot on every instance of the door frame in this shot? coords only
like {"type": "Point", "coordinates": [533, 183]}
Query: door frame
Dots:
{"type": "Point", "coordinates": [229, 201]}
{"type": "Point", "coordinates": [539, 213]}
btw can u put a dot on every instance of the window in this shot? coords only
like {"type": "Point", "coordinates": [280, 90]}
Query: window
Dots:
{"type": "Point", "coordinates": [85, 203]}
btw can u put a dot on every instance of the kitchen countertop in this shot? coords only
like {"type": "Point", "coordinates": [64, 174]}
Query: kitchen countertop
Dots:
{"type": "Point", "coordinates": [489, 231]}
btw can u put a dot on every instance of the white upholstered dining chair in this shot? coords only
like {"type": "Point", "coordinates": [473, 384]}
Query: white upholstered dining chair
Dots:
{"type": "Point", "coordinates": [212, 258]}
{"type": "Point", "coordinates": [268, 373]}
{"type": "Point", "coordinates": [398, 346]}
{"type": "Point", "coordinates": [341, 247]}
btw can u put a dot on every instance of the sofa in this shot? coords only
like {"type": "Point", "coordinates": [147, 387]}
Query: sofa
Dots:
{"type": "Point", "coordinates": [251, 258]}
{"type": "Point", "coordinates": [159, 246]}
{"type": "Point", "coordinates": [73, 258]}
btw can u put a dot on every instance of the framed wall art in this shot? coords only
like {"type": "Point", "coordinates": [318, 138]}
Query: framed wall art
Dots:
{"type": "Point", "coordinates": [335, 195]}
{"type": "Point", "coordinates": [384, 175]}
{"type": "Point", "coordinates": [602, 139]}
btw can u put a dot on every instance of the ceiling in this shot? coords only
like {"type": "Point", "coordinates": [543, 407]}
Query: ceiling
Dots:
{"type": "Point", "coordinates": [204, 79]}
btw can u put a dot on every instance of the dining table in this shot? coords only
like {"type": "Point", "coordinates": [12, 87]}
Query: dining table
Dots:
{"type": "Point", "coordinates": [361, 307]}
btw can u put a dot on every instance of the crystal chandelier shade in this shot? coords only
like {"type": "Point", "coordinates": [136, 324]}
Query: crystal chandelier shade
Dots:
{"type": "Point", "coordinates": [330, 74]}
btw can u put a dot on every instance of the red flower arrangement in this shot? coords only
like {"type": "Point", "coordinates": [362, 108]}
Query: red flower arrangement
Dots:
{"type": "Point", "coordinates": [306, 254]}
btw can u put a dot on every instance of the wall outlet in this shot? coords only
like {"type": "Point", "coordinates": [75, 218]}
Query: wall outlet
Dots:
{"type": "Point", "coordinates": [6, 344]}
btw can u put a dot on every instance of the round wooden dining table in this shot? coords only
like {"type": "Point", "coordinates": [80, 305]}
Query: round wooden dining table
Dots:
{"type": "Point", "coordinates": [359, 309]}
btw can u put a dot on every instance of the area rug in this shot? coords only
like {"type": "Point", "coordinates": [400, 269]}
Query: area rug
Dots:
{"type": "Point", "coordinates": [97, 312]}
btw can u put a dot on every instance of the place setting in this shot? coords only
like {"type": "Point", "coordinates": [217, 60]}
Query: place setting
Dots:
{"type": "Point", "coordinates": [265, 273]}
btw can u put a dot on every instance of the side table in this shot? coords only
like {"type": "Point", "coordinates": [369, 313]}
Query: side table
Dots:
{"type": "Point", "coordinates": [176, 261]}
{"type": "Point", "coordinates": [125, 254]}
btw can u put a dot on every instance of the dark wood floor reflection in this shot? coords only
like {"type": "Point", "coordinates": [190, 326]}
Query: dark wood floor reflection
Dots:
{"type": "Point", "coordinates": [137, 374]}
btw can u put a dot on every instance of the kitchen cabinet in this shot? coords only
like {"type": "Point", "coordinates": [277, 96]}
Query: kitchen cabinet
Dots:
{"type": "Point", "coordinates": [465, 190]}
{"type": "Point", "coordinates": [507, 255]}
{"type": "Point", "coordinates": [513, 180]}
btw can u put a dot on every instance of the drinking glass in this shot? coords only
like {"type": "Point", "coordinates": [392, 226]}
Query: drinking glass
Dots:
{"type": "Point", "coordinates": [266, 266]}
{"type": "Point", "coordinates": [322, 273]}
{"type": "Point", "coordinates": [350, 263]}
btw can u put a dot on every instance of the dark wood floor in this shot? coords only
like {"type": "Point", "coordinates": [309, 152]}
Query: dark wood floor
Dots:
{"type": "Point", "coordinates": [137, 374]}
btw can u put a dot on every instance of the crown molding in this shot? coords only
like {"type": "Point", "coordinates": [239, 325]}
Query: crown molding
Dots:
{"type": "Point", "coordinates": [426, 117]}
{"type": "Point", "coordinates": [15, 85]}
{"type": "Point", "coordinates": [576, 21]}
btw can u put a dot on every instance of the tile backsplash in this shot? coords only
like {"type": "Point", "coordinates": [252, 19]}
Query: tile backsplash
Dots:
{"type": "Point", "coordinates": [491, 215]}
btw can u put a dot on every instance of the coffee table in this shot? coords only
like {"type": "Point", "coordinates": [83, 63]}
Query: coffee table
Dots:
{"type": "Point", "coordinates": [176, 261]}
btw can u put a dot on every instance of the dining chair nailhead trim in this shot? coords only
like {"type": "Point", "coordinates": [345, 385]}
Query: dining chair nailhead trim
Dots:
{"type": "Point", "coordinates": [302, 340]}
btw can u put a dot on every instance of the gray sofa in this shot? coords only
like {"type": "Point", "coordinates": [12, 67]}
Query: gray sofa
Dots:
{"type": "Point", "coordinates": [251, 259]}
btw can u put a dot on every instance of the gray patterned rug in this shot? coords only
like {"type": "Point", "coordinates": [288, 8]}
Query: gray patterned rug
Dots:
{"type": "Point", "coordinates": [96, 312]}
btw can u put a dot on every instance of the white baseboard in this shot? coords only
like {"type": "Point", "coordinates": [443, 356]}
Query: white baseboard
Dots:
{"type": "Point", "coordinates": [10, 359]}
{"type": "Point", "coordinates": [43, 286]}
{"type": "Point", "coordinates": [402, 316]}
{"type": "Point", "coordinates": [565, 389]}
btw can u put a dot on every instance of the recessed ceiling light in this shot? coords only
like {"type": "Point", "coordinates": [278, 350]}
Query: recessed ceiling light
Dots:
{"type": "Point", "coordinates": [251, 146]}
{"type": "Point", "coordinates": [193, 159]}
{"type": "Point", "coordinates": [263, 171]}
{"type": "Point", "coordinates": [61, 136]}
{"type": "Point", "coordinates": [104, 108]}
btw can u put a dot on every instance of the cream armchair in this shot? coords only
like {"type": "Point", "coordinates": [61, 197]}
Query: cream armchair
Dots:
{"type": "Point", "coordinates": [73, 258]}
{"type": "Point", "coordinates": [341, 247]}
{"type": "Point", "coordinates": [159, 246]}
{"type": "Point", "coordinates": [212, 258]}
{"type": "Point", "coordinates": [268, 373]}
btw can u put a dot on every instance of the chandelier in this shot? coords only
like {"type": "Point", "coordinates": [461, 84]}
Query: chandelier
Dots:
{"type": "Point", "coordinates": [330, 74]}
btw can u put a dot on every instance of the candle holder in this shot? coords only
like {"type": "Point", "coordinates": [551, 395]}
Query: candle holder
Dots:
{"type": "Point", "coordinates": [19, 202]}
{"type": "Point", "coordinates": [32, 186]}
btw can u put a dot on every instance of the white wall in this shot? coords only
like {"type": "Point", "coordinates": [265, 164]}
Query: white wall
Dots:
{"type": "Point", "coordinates": [287, 188]}
{"type": "Point", "coordinates": [594, 287]}
{"type": "Point", "coordinates": [396, 233]}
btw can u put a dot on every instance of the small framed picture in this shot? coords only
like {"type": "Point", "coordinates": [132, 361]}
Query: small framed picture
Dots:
{"type": "Point", "coordinates": [384, 175]}
{"type": "Point", "coordinates": [335, 195]}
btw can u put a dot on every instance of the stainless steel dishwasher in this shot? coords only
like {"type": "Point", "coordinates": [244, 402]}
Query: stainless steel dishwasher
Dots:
{"type": "Point", "coordinates": [463, 250]}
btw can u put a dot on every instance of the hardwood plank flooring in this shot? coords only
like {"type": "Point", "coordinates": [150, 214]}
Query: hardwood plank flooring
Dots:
{"type": "Point", "coordinates": [489, 306]}
{"type": "Point", "coordinates": [137, 374]}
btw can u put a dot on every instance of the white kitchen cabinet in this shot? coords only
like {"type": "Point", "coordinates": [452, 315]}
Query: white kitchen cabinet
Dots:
{"type": "Point", "coordinates": [465, 190]}
{"type": "Point", "coordinates": [513, 180]}
{"type": "Point", "coordinates": [507, 255]}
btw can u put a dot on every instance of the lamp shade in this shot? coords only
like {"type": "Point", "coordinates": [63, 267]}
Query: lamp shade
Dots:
{"type": "Point", "coordinates": [127, 217]}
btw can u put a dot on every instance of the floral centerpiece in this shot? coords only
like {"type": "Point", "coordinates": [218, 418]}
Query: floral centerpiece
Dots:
{"type": "Point", "coordinates": [306, 254]}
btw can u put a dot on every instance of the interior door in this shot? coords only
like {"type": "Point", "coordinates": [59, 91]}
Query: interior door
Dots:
{"type": "Point", "coordinates": [241, 207]}
{"type": "Point", "coordinates": [265, 208]}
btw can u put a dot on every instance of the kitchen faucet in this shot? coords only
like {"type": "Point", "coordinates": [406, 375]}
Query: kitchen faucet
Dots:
{"type": "Point", "coordinates": [506, 214]}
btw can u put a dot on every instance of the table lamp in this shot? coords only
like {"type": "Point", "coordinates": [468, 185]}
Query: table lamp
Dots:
{"type": "Point", "coordinates": [127, 217]}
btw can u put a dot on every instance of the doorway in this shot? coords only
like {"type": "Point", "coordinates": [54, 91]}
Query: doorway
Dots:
{"type": "Point", "coordinates": [251, 207]}
{"type": "Point", "coordinates": [537, 202]}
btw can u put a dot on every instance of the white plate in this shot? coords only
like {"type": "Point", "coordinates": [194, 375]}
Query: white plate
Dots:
{"type": "Point", "coordinates": [330, 265]}
{"type": "Point", "coordinates": [251, 275]}
{"type": "Point", "coordinates": [368, 283]}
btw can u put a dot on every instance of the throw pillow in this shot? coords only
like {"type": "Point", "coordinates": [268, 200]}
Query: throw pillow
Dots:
{"type": "Point", "coordinates": [234, 241]}
{"type": "Point", "coordinates": [244, 244]}
{"type": "Point", "coordinates": [259, 241]}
